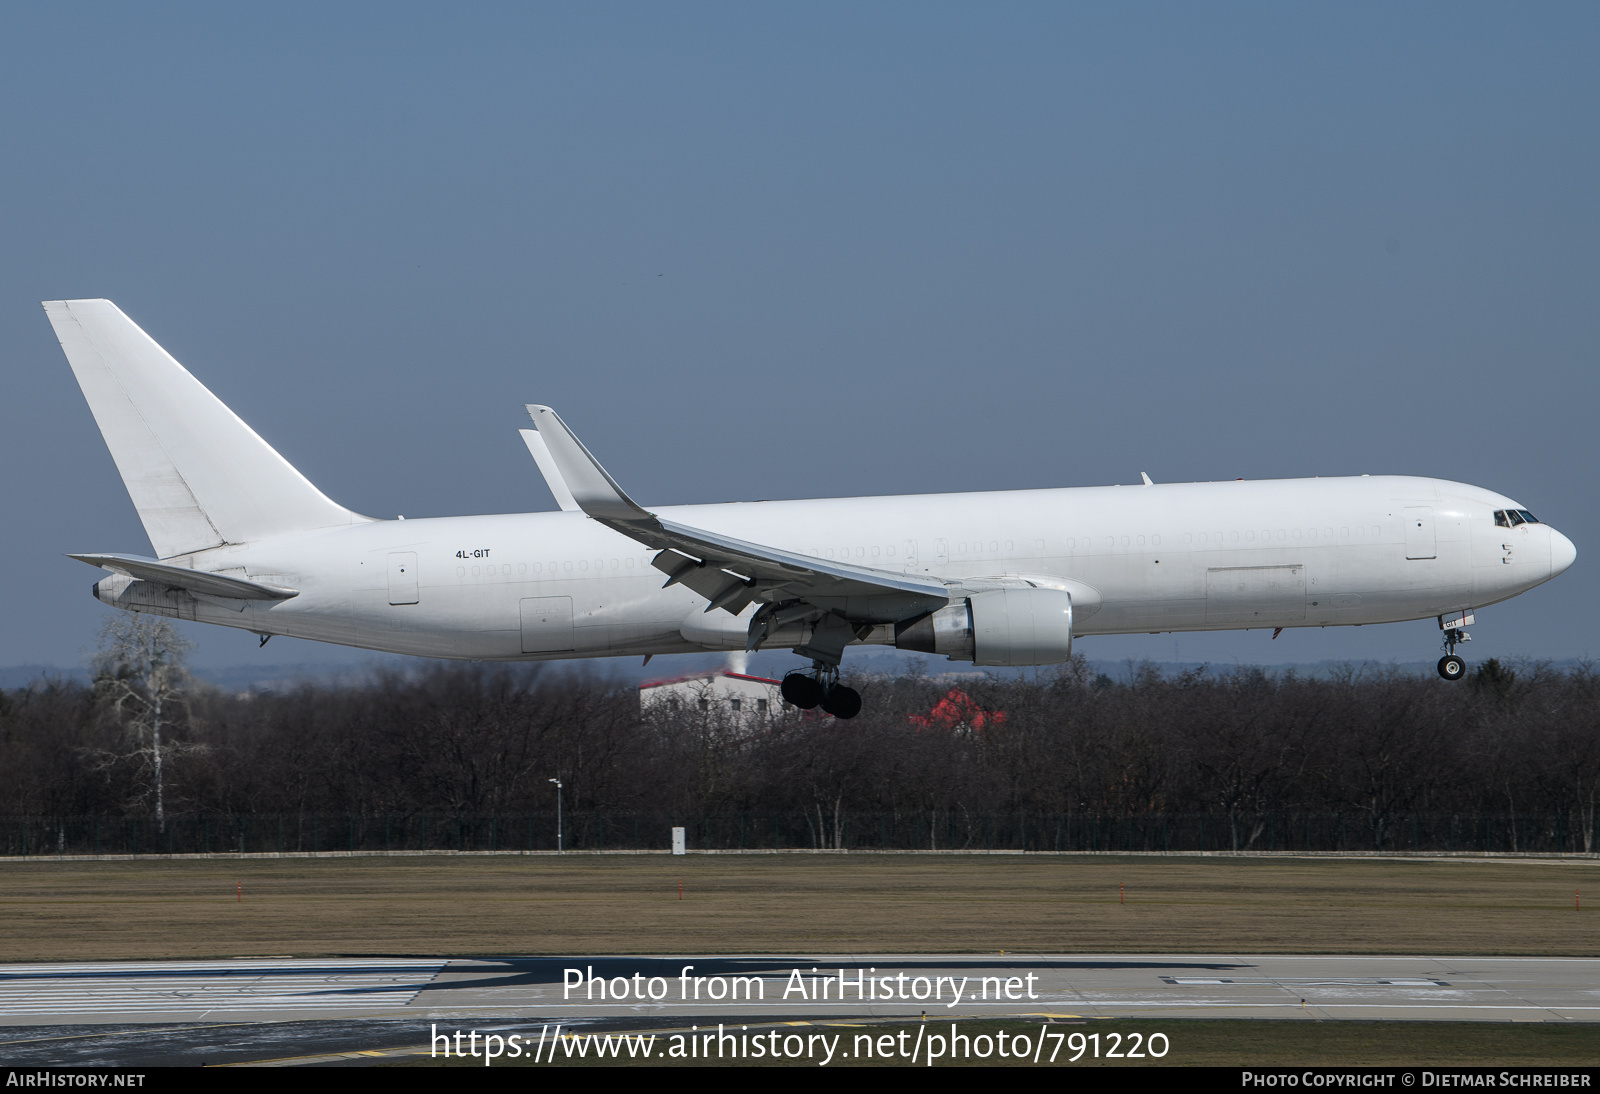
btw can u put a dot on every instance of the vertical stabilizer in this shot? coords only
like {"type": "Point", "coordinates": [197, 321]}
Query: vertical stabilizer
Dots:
{"type": "Point", "coordinates": [198, 475]}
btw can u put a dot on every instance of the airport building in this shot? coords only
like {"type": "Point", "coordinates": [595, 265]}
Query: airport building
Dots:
{"type": "Point", "coordinates": [747, 698]}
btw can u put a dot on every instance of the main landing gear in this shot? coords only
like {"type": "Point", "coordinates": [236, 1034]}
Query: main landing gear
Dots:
{"type": "Point", "coordinates": [1452, 667]}
{"type": "Point", "coordinates": [821, 688]}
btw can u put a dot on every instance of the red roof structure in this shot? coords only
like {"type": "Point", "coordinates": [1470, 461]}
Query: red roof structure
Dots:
{"type": "Point", "coordinates": [956, 710]}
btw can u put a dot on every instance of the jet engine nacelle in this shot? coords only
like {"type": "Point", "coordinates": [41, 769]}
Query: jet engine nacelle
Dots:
{"type": "Point", "coordinates": [1000, 627]}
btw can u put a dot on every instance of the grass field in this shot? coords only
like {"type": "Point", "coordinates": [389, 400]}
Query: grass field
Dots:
{"type": "Point", "coordinates": [55, 911]}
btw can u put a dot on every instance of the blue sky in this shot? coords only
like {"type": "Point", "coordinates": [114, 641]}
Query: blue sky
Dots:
{"type": "Point", "coordinates": [758, 251]}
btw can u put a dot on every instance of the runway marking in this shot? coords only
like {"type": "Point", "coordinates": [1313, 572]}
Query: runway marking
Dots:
{"type": "Point", "coordinates": [135, 988]}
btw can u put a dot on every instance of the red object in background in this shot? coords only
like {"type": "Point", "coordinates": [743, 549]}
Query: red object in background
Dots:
{"type": "Point", "coordinates": [956, 710]}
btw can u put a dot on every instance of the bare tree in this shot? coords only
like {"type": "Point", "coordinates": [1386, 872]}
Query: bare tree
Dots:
{"type": "Point", "coordinates": [1250, 749]}
{"type": "Point", "coordinates": [140, 678]}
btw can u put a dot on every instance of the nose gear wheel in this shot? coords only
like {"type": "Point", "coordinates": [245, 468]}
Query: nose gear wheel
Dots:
{"type": "Point", "coordinates": [1452, 667]}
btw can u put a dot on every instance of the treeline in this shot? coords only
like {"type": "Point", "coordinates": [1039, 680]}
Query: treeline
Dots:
{"type": "Point", "coordinates": [473, 742]}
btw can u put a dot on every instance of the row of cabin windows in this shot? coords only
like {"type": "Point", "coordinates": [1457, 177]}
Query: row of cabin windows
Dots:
{"type": "Point", "coordinates": [963, 547]}
{"type": "Point", "coordinates": [1505, 518]}
{"type": "Point", "coordinates": [1265, 535]}
{"type": "Point", "coordinates": [859, 552]}
{"type": "Point", "coordinates": [554, 568]}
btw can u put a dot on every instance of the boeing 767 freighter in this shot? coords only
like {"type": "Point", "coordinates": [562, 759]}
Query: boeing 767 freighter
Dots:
{"type": "Point", "coordinates": [242, 539]}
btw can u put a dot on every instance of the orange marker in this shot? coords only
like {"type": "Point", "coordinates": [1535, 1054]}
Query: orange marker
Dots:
{"type": "Point", "coordinates": [241, 892]}
{"type": "Point", "coordinates": [1122, 896]}
{"type": "Point", "coordinates": [680, 888]}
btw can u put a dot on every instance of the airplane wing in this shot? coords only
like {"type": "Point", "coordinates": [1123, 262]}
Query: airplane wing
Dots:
{"type": "Point", "coordinates": [733, 573]}
{"type": "Point", "coordinates": [181, 577]}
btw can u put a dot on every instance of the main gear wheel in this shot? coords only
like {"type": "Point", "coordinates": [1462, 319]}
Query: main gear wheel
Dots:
{"type": "Point", "coordinates": [842, 702]}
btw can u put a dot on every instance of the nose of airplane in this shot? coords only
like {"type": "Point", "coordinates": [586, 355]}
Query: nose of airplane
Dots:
{"type": "Point", "coordinates": [1562, 552]}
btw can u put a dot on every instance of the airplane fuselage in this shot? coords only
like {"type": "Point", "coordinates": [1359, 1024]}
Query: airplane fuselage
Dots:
{"type": "Point", "coordinates": [1154, 558]}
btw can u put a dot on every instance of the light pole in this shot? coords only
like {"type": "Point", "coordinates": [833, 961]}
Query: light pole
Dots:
{"type": "Point", "coordinates": [558, 814]}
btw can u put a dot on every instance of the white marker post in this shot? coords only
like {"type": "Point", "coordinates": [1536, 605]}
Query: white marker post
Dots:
{"type": "Point", "coordinates": [678, 847]}
{"type": "Point", "coordinates": [558, 815]}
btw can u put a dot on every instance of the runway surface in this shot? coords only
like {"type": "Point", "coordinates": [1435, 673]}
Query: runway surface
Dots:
{"type": "Point", "coordinates": [120, 991]}
{"type": "Point", "coordinates": [261, 1008]}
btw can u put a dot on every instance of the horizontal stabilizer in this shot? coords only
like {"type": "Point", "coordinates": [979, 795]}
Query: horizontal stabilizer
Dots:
{"type": "Point", "coordinates": [181, 577]}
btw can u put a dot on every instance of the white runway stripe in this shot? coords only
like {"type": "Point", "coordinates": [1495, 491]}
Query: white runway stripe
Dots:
{"type": "Point", "coordinates": [135, 988]}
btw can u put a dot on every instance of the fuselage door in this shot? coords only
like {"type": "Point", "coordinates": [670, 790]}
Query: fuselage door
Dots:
{"type": "Point", "coordinates": [1420, 540]}
{"type": "Point", "coordinates": [403, 577]}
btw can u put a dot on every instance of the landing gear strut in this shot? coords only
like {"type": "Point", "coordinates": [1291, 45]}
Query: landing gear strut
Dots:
{"type": "Point", "coordinates": [821, 688]}
{"type": "Point", "coordinates": [1452, 667]}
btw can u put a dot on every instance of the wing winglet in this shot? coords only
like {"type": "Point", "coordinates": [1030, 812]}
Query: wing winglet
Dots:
{"type": "Point", "coordinates": [595, 492]}
{"type": "Point", "coordinates": [547, 467]}
{"type": "Point", "coordinates": [714, 565]}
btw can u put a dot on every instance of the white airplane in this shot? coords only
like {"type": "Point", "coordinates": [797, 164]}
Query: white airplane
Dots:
{"type": "Point", "coordinates": [242, 539]}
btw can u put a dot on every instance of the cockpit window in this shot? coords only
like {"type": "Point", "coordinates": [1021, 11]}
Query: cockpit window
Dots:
{"type": "Point", "coordinates": [1510, 518]}
{"type": "Point", "coordinates": [1527, 516]}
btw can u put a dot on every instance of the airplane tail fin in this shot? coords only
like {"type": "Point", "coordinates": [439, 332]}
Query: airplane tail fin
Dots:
{"type": "Point", "coordinates": [198, 475]}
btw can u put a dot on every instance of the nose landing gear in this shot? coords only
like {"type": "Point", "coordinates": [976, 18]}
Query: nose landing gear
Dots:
{"type": "Point", "coordinates": [1452, 667]}
{"type": "Point", "coordinates": [821, 688]}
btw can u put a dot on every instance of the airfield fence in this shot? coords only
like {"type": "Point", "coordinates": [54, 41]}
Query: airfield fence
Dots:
{"type": "Point", "coordinates": [942, 831]}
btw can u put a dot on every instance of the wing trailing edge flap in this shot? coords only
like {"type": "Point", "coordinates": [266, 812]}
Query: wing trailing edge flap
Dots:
{"type": "Point", "coordinates": [199, 582]}
{"type": "Point", "coordinates": [733, 573]}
